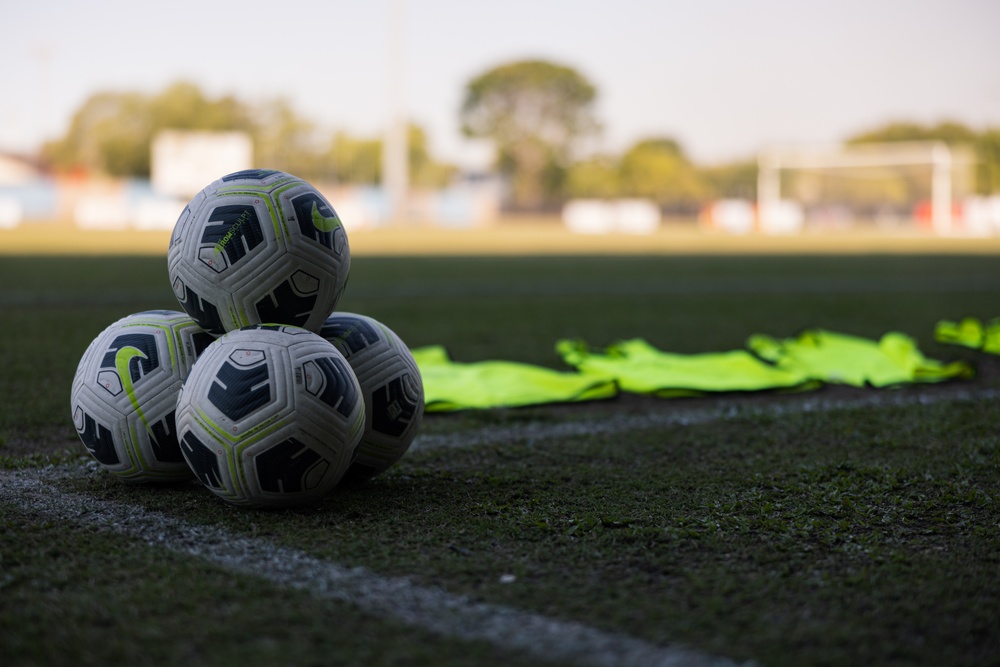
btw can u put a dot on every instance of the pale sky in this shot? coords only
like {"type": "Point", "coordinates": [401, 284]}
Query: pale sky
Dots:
{"type": "Point", "coordinates": [723, 77]}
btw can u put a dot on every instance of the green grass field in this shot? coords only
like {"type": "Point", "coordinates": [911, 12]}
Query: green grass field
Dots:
{"type": "Point", "coordinates": [838, 527]}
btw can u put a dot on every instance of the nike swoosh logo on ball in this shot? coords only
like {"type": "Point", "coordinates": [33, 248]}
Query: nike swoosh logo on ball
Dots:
{"type": "Point", "coordinates": [321, 223]}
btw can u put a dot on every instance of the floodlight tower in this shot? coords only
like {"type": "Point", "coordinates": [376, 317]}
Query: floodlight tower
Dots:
{"type": "Point", "coordinates": [395, 152]}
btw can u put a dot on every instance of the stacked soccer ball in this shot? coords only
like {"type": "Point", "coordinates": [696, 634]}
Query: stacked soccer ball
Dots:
{"type": "Point", "coordinates": [260, 389]}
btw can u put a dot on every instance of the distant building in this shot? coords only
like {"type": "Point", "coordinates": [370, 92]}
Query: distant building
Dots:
{"type": "Point", "coordinates": [26, 192]}
{"type": "Point", "coordinates": [18, 170]}
{"type": "Point", "coordinates": [184, 162]}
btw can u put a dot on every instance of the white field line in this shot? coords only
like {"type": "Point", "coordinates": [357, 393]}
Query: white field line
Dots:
{"type": "Point", "coordinates": [448, 615]}
{"type": "Point", "coordinates": [679, 414]}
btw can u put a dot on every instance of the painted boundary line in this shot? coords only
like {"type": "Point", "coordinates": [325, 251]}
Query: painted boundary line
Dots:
{"type": "Point", "coordinates": [451, 616]}
{"type": "Point", "coordinates": [685, 416]}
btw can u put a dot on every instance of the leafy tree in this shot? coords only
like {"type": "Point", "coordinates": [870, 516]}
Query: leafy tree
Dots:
{"type": "Point", "coordinates": [105, 136]}
{"type": "Point", "coordinates": [594, 177]}
{"type": "Point", "coordinates": [112, 132]}
{"type": "Point", "coordinates": [947, 131]}
{"type": "Point", "coordinates": [735, 179]}
{"type": "Point", "coordinates": [285, 141]}
{"type": "Point", "coordinates": [986, 145]}
{"type": "Point", "coordinates": [182, 106]}
{"type": "Point", "coordinates": [424, 170]}
{"type": "Point", "coordinates": [534, 111]}
{"type": "Point", "coordinates": [351, 159]}
{"type": "Point", "coordinates": [355, 160]}
{"type": "Point", "coordinates": [988, 152]}
{"type": "Point", "coordinates": [657, 168]}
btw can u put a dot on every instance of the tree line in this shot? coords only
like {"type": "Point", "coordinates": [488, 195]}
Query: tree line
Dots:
{"type": "Point", "coordinates": [112, 134]}
{"type": "Point", "coordinates": [537, 114]}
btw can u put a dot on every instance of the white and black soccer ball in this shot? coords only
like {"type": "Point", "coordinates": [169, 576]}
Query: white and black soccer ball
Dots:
{"type": "Point", "coordinates": [124, 394]}
{"type": "Point", "coordinates": [270, 416]}
{"type": "Point", "coordinates": [392, 388]}
{"type": "Point", "coordinates": [258, 246]}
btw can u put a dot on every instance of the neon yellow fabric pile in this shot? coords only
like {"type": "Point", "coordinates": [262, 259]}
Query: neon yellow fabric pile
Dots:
{"type": "Point", "coordinates": [451, 385]}
{"type": "Point", "coordinates": [800, 363]}
{"type": "Point", "coordinates": [640, 368]}
{"type": "Point", "coordinates": [970, 332]}
{"type": "Point", "coordinates": [843, 359]}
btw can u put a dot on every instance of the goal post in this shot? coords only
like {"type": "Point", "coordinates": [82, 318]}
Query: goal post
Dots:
{"type": "Point", "coordinates": [945, 163]}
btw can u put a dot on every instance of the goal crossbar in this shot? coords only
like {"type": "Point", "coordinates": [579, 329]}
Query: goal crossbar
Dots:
{"type": "Point", "coordinates": [938, 155]}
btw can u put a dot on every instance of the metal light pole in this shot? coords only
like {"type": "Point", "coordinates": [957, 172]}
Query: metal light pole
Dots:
{"type": "Point", "coordinates": [395, 158]}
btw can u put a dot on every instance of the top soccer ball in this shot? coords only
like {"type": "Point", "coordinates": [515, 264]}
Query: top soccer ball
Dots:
{"type": "Point", "coordinates": [258, 246]}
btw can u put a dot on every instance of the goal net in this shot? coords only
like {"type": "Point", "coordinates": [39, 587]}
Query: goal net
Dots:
{"type": "Point", "coordinates": [917, 184]}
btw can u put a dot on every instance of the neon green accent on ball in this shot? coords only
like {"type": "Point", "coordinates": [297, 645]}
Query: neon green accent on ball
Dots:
{"type": "Point", "coordinates": [221, 244]}
{"type": "Point", "coordinates": [265, 195]}
{"type": "Point", "coordinates": [176, 349]}
{"type": "Point", "coordinates": [231, 190]}
{"type": "Point", "coordinates": [134, 454]}
{"type": "Point", "coordinates": [174, 345]}
{"type": "Point", "coordinates": [282, 215]}
{"type": "Point", "coordinates": [236, 190]}
{"type": "Point", "coordinates": [276, 220]}
{"type": "Point", "coordinates": [359, 424]}
{"type": "Point", "coordinates": [123, 358]}
{"type": "Point", "coordinates": [322, 223]}
{"type": "Point", "coordinates": [234, 445]}
{"type": "Point", "coordinates": [140, 467]}
{"type": "Point", "coordinates": [215, 431]}
{"type": "Point", "coordinates": [224, 436]}
{"type": "Point", "coordinates": [238, 315]}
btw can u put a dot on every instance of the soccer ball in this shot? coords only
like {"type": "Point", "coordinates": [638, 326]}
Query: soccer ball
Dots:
{"type": "Point", "coordinates": [270, 416]}
{"type": "Point", "coordinates": [124, 394]}
{"type": "Point", "coordinates": [258, 246]}
{"type": "Point", "coordinates": [391, 385]}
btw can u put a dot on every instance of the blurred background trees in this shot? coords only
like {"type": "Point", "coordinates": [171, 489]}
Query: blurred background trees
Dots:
{"type": "Point", "coordinates": [535, 113]}
{"type": "Point", "coordinates": [986, 145]}
{"type": "Point", "coordinates": [538, 116]}
{"type": "Point", "coordinates": [112, 134]}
